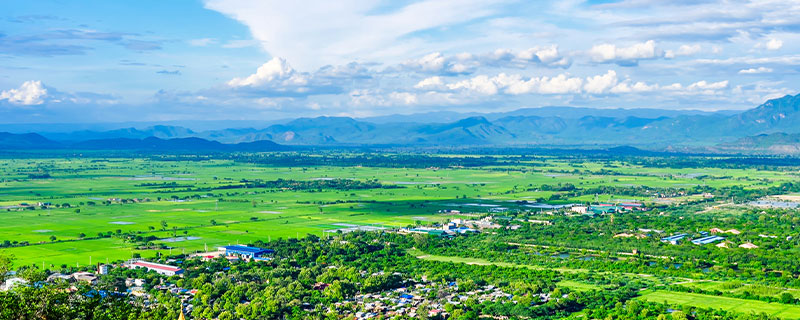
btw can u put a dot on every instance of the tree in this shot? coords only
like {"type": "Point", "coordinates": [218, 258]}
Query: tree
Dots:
{"type": "Point", "coordinates": [5, 264]}
{"type": "Point", "coordinates": [787, 298]}
{"type": "Point", "coordinates": [340, 289]}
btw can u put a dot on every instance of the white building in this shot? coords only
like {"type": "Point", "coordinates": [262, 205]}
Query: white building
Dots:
{"type": "Point", "coordinates": [103, 269]}
{"type": "Point", "coordinates": [13, 282]}
{"type": "Point", "coordinates": [164, 269]}
{"type": "Point", "coordinates": [579, 209]}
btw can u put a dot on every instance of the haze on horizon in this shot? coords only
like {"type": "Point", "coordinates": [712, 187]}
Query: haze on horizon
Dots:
{"type": "Point", "coordinates": [111, 61]}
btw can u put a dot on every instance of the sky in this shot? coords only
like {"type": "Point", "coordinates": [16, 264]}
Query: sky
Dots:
{"type": "Point", "coordinates": [86, 61]}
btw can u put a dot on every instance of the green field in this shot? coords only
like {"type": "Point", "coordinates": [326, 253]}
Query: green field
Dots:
{"type": "Point", "coordinates": [731, 304]}
{"type": "Point", "coordinates": [220, 216]}
{"type": "Point", "coordinates": [738, 287]}
{"type": "Point", "coordinates": [476, 261]}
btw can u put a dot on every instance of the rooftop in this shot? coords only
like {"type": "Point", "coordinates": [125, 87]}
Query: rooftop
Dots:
{"type": "Point", "coordinates": [152, 265]}
{"type": "Point", "coordinates": [246, 249]}
{"type": "Point", "coordinates": [707, 240]}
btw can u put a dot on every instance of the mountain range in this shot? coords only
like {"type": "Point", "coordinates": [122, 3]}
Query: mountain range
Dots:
{"type": "Point", "coordinates": [776, 122]}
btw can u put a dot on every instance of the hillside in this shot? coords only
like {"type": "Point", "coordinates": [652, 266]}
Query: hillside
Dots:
{"type": "Point", "coordinates": [547, 126]}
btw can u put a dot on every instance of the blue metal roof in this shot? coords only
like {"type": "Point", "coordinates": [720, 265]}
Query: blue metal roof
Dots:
{"type": "Point", "coordinates": [675, 237]}
{"type": "Point", "coordinates": [707, 240]}
{"type": "Point", "coordinates": [246, 249]}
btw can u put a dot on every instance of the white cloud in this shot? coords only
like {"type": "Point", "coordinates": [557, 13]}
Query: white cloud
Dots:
{"type": "Point", "coordinates": [274, 70]}
{"type": "Point", "coordinates": [465, 63]}
{"type": "Point", "coordinates": [624, 55]}
{"type": "Point", "coordinates": [706, 88]}
{"type": "Point", "coordinates": [684, 50]}
{"type": "Point", "coordinates": [755, 70]}
{"type": "Point", "coordinates": [515, 84]}
{"type": "Point", "coordinates": [314, 34]}
{"type": "Point", "coordinates": [774, 44]}
{"type": "Point", "coordinates": [29, 93]}
{"type": "Point", "coordinates": [430, 83]}
{"type": "Point", "coordinates": [601, 83]}
{"type": "Point", "coordinates": [432, 62]}
{"type": "Point", "coordinates": [481, 84]}
{"type": "Point", "coordinates": [637, 87]}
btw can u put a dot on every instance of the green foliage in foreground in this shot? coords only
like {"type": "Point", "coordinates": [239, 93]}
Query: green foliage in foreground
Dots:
{"type": "Point", "coordinates": [783, 311]}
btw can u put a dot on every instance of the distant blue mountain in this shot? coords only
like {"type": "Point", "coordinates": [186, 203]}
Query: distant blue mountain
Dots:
{"type": "Point", "coordinates": [31, 141]}
{"type": "Point", "coordinates": [547, 126]}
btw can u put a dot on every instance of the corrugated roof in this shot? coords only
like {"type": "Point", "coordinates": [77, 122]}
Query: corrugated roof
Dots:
{"type": "Point", "coordinates": [152, 265]}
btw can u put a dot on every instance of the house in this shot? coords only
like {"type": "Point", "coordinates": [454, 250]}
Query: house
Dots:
{"type": "Point", "coordinates": [164, 269]}
{"type": "Point", "coordinates": [12, 283]}
{"type": "Point", "coordinates": [579, 209]}
{"type": "Point", "coordinates": [707, 240]}
{"type": "Point", "coordinates": [632, 206]}
{"type": "Point", "coordinates": [246, 252]}
{"type": "Point", "coordinates": [718, 230]}
{"type": "Point", "coordinates": [465, 230]}
{"type": "Point", "coordinates": [675, 238]}
{"type": "Point", "coordinates": [58, 277]}
{"type": "Point", "coordinates": [605, 209]}
{"type": "Point", "coordinates": [134, 282]}
{"type": "Point", "coordinates": [748, 245]}
{"type": "Point", "coordinates": [428, 231]}
{"type": "Point", "coordinates": [87, 277]}
{"type": "Point", "coordinates": [724, 244]}
{"type": "Point", "coordinates": [103, 269]}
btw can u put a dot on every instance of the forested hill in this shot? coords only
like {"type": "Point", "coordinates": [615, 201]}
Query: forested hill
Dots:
{"type": "Point", "coordinates": [551, 126]}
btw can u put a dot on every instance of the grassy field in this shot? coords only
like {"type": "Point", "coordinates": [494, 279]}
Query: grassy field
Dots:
{"type": "Point", "coordinates": [578, 286]}
{"type": "Point", "coordinates": [476, 261]}
{"type": "Point", "coordinates": [732, 304]}
{"type": "Point", "coordinates": [223, 215]}
{"type": "Point", "coordinates": [738, 287]}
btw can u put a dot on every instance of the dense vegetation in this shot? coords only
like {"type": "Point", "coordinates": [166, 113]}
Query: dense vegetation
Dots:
{"type": "Point", "coordinates": [540, 259]}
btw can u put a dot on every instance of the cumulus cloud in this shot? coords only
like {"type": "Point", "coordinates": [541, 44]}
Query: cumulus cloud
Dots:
{"type": "Point", "coordinates": [704, 85]}
{"type": "Point", "coordinates": [755, 70]}
{"type": "Point", "coordinates": [34, 92]}
{"type": "Point", "coordinates": [277, 78]}
{"type": "Point", "coordinates": [466, 63]}
{"type": "Point", "coordinates": [684, 50]}
{"type": "Point", "coordinates": [624, 56]}
{"type": "Point", "coordinates": [431, 83]}
{"type": "Point", "coordinates": [774, 44]}
{"type": "Point", "coordinates": [29, 93]}
{"type": "Point", "coordinates": [515, 84]}
{"type": "Point", "coordinates": [548, 56]}
{"type": "Point", "coordinates": [274, 70]}
{"type": "Point", "coordinates": [601, 83]}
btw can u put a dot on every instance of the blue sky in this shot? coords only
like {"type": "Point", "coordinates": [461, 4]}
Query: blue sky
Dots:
{"type": "Point", "coordinates": [109, 61]}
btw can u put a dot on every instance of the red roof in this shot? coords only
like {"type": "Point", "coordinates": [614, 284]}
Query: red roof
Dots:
{"type": "Point", "coordinates": [156, 266]}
